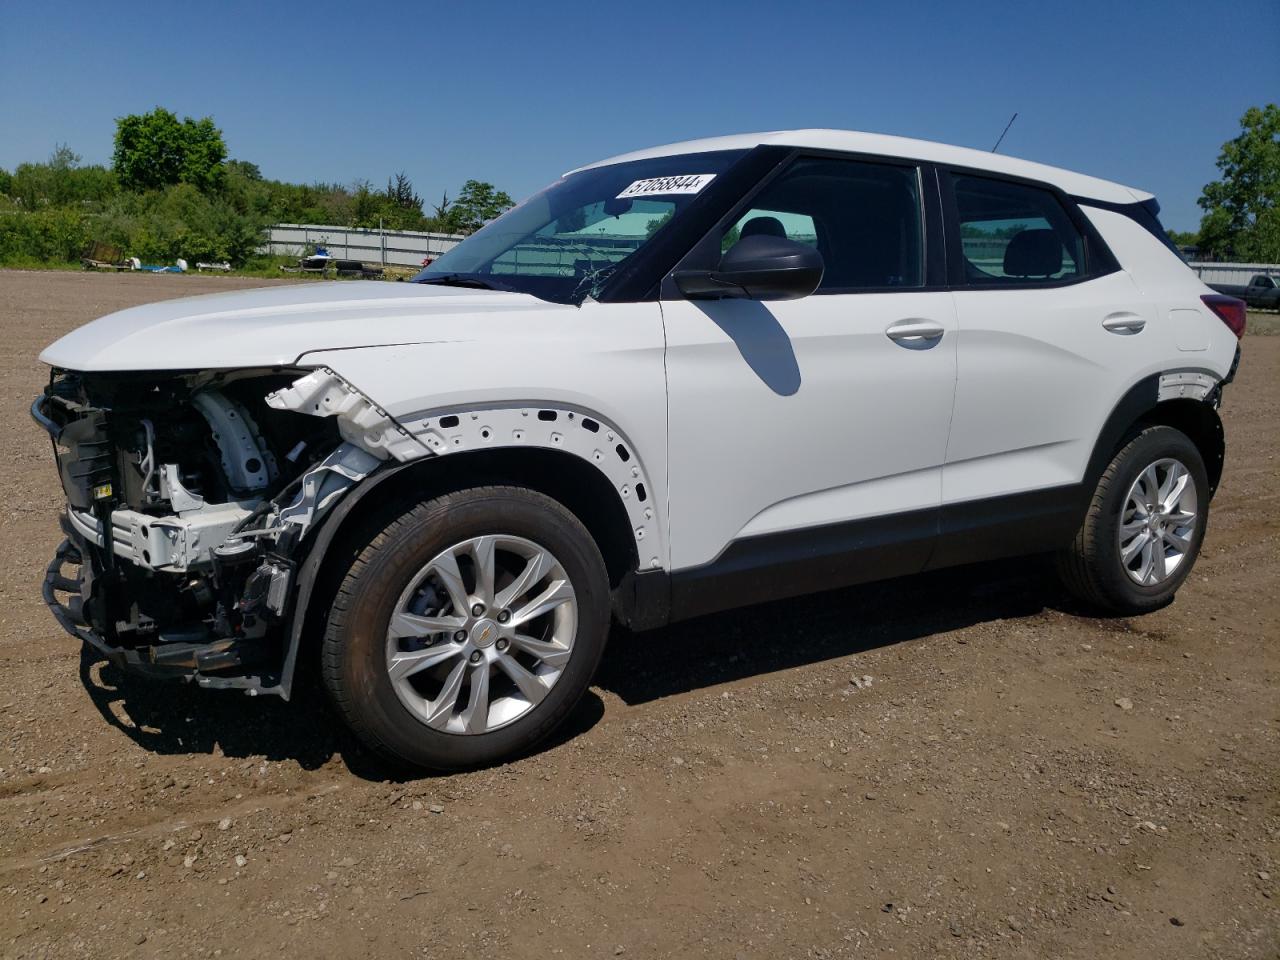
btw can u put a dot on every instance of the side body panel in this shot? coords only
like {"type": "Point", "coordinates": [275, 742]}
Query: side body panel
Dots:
{"type": "Point", "coordinates": [1166, 284]}
{"type": "Point", "coordinates": [799, 414]}
{"type": "Point", "coordinates": [601, 361]}
{"type": "Point", "coordinates": [1039, 373]}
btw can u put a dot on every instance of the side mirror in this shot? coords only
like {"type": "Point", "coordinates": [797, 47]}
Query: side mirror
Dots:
{"type": "Point", "coordinates": [757, 268]}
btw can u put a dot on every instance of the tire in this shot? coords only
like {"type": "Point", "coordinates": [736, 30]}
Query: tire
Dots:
{"type": "Point", "coordinates": [1094, 568]}
{"type": "Point", "coordinates": [406, 571]}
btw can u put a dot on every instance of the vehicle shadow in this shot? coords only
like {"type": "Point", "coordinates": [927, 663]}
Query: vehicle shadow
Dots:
{"type": "Point", "coordinates": [175, 718]}
{"type": "Point", "coordinates": [753, 641]}
{"type": "Point", "coordinates": [761, 340]}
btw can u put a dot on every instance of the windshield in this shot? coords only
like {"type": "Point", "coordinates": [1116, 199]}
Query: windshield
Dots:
{"type": "Point", "coordinates": [564, 242]}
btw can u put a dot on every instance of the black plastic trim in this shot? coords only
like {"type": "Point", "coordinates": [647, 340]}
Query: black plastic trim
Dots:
{"type": "Point", "coordinates": [1145, 213]}
{"type": "Point", "coordinates": [795, 562]}
{"type": "Point", "coordinates": [1136, 401]}
{"type": "Point", "coordinates": [43, 419]}
{"type": "Point", "coordinates": [1231, 374]}
{"type": "Point", "coordinates": [779, 565]}
{"type": "Point", "coordinates": [642, 600]}
{"type": "Point", "coordinates": [330, 525]}
{"type": "Point", "coordinates": [1034, 521]}
{"type": "Point", "coordinates": [935, 232]}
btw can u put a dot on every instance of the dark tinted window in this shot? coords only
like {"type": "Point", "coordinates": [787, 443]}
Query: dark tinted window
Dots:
{"type": "Point", "coordinates": [1011, 233]}
{"type": "Point", "coordinates": [864, 218]}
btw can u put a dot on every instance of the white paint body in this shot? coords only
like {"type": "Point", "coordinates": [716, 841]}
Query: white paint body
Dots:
{"type": "Point", "coordinates": [745, 418]}
{"type": "Point", "coordinates": [801, 413]}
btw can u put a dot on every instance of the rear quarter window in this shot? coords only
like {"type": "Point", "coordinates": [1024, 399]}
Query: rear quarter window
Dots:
{"type": "Point", "coordinates": [1015, 234]}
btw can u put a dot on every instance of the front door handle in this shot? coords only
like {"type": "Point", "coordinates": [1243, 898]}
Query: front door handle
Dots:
{"type": "Point", "coordinates": [1125, 324]}
{"type": "Point", "coordinates": [915, 334]}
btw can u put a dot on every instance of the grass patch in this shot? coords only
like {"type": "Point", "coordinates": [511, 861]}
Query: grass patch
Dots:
{"type": "Point", "coordinates": [21, 262]}
{"type": "Point", "coordinates": [267, 268]}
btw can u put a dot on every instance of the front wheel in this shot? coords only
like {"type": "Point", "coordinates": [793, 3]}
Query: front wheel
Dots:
{"type": "Point", "coordinates": [468, 628]}
{"type": "Point", "coordinates": [1144, 526]}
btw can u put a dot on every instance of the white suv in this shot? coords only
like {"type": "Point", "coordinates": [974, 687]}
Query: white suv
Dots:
{"type": "Point", "coordinates": [681, 380]}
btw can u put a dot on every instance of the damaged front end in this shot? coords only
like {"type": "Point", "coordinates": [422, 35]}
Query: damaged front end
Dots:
{"type": "Point", "coordinates": [191, 497]}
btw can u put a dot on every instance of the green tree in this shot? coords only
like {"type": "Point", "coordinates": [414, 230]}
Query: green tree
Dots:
{"type": "Point", "coordinates": [366, 205]}
{"type": "Point", "coordinates": [156, 149]}
{"type": "Point", "coordinates": [478, 203]}
{"type": "Point", "coordinates": [403, 206]}
{"type": "Point", "coordinates": [6, 181]}
{"type": "Point", "coordinates": [203, 153]}
{"type": "Point", "coordinates": [657, 223]}
{"type": "Point", "coordinates": [64, 158]}
{"type": "Point", "coordinates": [400, 193]}
{"type": "Point", "coordinates": [245, 169]}
{"type": "Point", "coordinates": [1242, 209]}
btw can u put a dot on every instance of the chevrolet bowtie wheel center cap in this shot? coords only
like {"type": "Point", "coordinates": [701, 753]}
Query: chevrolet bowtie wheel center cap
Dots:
{"type": "Point", "coordinates": [484, 634]}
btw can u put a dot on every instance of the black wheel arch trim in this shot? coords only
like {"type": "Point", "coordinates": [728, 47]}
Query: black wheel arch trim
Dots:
{"type": "Point", "coordinates": [300, 615]}
{"type": "Point", "coordinates": [1137, 401]}
{"type": "Point", "coordinates": [1141, 404]}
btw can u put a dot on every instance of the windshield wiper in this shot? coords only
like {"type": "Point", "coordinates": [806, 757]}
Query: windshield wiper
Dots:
{"type": "Point", "coordinates": [463, 280]}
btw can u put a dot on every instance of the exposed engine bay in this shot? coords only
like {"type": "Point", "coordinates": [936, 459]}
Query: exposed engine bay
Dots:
{"type": "Point", "coordinates": [188, 495]}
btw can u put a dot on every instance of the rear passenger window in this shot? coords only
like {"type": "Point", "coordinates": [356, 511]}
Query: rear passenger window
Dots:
{"type": "Point", "coordinates": [864, 218]}
{"type": "Point", "coordinates": [1015, 234]}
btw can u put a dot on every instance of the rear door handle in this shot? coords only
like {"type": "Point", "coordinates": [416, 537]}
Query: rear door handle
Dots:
{"type": "Point", "coordinates": [915, 334]}
{"type": "Point", "coordinates": [1125, 324]}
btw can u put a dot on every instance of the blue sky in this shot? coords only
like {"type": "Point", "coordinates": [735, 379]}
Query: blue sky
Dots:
{"type": "Point", "coordinates": [516, 93]}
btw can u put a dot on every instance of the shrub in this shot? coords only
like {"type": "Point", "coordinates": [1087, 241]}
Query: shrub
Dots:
{"type": "Point", "coordinates": [57, 235]}
{"type": "Point", "coordinates": [161, 225]}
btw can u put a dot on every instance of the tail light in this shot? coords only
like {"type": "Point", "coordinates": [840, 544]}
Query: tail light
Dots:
{"type": "Point", "coordinates": [1229, 310]}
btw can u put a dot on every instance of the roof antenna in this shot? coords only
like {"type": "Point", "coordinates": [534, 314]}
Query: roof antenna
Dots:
{"type": "Point", "coordinates": [1006, 130]}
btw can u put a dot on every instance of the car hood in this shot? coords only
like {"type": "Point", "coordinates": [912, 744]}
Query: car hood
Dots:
{"type": "Point", "coordinates": [277, 325]}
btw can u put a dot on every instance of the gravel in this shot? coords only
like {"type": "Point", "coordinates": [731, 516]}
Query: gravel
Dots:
{"type": "Point", "coordinates": [1007, 788]}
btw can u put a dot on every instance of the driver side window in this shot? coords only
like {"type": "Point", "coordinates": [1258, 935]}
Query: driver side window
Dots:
{"type": "Point", "coordinates": [794, 226]}
{"type": "Point", "coordinates": [864, 218]}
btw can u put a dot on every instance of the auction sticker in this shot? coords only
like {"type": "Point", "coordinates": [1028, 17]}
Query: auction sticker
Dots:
{"type": "Point", "coordinates": [656, 186]}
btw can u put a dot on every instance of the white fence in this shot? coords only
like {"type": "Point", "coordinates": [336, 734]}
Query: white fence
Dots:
{"type": "Point", "coordinates": [402, 248]}
{"type": "Point", "coordinates": [409, 248]}
{"type": "Point", "coordinates": [1240, 273]}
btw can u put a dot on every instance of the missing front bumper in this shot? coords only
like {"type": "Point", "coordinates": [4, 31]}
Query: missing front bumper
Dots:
{"type": "Point", "coordinates": [173, 658]}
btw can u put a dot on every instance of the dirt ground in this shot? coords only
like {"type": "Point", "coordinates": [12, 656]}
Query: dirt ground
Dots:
{"type": "Point", "coordinates": [952, 766]}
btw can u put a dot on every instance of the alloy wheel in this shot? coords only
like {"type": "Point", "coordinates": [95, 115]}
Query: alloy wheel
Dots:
{"type": "Point", "coordinates": [1158, 522]}
{"type": "Point", "coordinates": [481, 634]}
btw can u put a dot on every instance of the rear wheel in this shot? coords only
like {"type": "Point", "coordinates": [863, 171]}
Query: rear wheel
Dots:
{"type": "Point", "coordinates": [468, 628]}
{"type": "Point", "coordinates": [1145, 523]}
